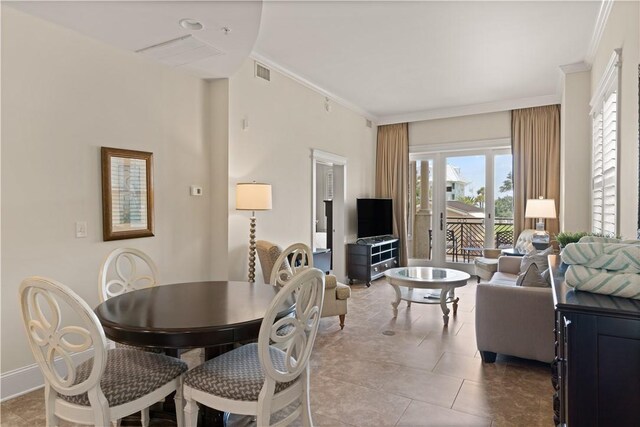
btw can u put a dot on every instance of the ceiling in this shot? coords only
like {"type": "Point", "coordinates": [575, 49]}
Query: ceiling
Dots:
{"type": "Point", "coordinates": [388, 60]}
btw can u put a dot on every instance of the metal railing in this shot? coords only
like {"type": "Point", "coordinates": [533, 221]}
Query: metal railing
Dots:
{"type": "Point", "coordinates": [465, 236]}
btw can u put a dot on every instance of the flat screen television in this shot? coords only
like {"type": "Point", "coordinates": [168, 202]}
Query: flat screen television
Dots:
{"type": "Point", "coordinates": [375, 217]}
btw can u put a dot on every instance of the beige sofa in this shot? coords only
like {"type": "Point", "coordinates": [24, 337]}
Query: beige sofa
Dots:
{"type": "Point", "coordinates": [513, 320]}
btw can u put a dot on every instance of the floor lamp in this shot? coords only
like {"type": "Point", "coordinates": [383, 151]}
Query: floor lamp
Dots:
{"type": "Point", "coordinates": [253, 196]}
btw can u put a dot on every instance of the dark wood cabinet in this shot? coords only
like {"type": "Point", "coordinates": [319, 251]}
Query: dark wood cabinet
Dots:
{"type": "Point", "coordinates": [596, 372]}
{"type": "Point", "coordinates": [368, 261]}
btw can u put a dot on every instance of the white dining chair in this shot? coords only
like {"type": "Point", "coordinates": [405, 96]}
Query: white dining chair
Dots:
{"type": "Point", "coordinates": [291, 261]}
{"type": "Point", "coordinates": [260, 379]}
{"type": "Point", "coordinates": [110, 385]}
{"type": "Point", "coordinates": [125, 270]}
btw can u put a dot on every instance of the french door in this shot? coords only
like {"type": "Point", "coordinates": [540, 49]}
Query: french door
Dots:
{"type": "Point", "coordinates": [462, 202]}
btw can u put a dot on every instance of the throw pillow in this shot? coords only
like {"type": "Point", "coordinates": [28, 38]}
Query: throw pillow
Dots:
{"type": "Point", "coordinates": [537, 258]}
{"type": "Point", "coordinates": [532, 278]}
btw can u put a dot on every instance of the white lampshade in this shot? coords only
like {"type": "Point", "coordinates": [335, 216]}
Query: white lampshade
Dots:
{"type": "Point", "coordinates": [253, 196]}
{"type": "Point", "coordinates": [540, 208]}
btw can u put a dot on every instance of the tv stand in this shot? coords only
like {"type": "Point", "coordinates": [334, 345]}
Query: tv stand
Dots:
{"type": "Point", "coordinates": [369, 258]}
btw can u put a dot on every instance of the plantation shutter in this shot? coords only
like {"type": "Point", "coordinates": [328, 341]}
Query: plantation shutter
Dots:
{"type": "Point", "coordinates": [598, 197]}
{"type": "Point", "coordinates": [604, 113]}
{"type": "Point", "coordinates": [609, 165]}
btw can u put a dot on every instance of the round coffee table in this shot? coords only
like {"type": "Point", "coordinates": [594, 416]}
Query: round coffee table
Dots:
{"type": "Point", "coordinates": [412, 284]}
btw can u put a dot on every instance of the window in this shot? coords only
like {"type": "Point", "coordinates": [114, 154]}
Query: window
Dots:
{"type": "Point", "coordinates": [604, 114]}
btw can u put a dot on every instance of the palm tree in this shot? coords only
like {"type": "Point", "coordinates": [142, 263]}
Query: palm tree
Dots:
{"type": "Point", "coordinates": [507, 184]}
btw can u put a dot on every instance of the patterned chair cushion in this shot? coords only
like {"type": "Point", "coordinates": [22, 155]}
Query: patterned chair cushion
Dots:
{"type": "Point", "coordinates": [235, 375]}
{"type": "Point", "coordinates": [131, 347]}
{"type": "Point", "coordinates": [284, 330]}
{"type": "Point", "coordinates": [129, 375]}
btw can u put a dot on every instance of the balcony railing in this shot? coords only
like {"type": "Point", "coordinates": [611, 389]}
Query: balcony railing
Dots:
{"type": "Point", "coordinates": [465, 237]}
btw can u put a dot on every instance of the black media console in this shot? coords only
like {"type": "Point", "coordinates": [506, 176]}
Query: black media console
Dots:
{"type": "Point", "coordinates": [368, 259]}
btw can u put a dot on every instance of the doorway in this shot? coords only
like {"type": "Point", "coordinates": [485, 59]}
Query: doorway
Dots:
{"type": "Point", "coordinates": [463, 203]}
{"type": "Point", "coordinates": [328, 186]}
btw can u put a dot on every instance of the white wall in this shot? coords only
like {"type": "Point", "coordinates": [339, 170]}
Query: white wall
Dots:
{"type": "Point", "coordinates": [219, 176]}
{"type": "Point", "coordinates": [63, 97]}
{"type": "Point", "coordinates": [475, 127]}
{"type": "Point", "coordinates": [575, 153]}
{"type": "Point", "coordinates": [622, 31]}
{"type": "Point", "coordinates": [286, 121]}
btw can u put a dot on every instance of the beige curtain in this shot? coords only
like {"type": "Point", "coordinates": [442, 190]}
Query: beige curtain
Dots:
{"type": "Point", "coordinates": [392, 177]}
{"type": "Point", "coordinates": [535, 144]}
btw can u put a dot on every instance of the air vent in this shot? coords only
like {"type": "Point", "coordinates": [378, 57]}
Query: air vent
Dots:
{"type": "Point", "coordinates": [180, 51]}
{"type": "Point", "coordinates": [263, 72]}
{"type": "Point", "coordinates": [368, 123]}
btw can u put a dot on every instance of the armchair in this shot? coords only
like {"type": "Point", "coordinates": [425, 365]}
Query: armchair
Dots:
{"type": "Point", "coordinates": [335, 294]}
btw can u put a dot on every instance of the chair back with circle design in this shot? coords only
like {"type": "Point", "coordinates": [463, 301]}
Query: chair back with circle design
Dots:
{"type": "Point", "coordinates": [125, 270]}
{"type": "Point", "coordinates": [306, 291]}
{"type": "Point", "coordinates": [292, 260]}
{"type": "Point", "coordinates": [49, 340]}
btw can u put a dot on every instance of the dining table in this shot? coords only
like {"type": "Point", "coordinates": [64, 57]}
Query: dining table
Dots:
{"type": "Point", "coordinates": [213, 315]}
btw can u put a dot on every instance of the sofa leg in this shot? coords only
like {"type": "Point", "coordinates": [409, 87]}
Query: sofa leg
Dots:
{"type": "Point", "coordinates": [341, 316]}
{"type": "Point", "coordinates": [478, 279]}
{"type": "Point", "coordinates": [488, 356]}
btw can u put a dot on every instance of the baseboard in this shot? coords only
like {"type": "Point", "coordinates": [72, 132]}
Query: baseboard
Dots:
{"type": "Point", "coordinates": [28, 378]}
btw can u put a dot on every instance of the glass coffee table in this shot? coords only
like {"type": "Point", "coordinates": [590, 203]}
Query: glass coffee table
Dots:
{"type": "Point", "coordinates": [420, 285]}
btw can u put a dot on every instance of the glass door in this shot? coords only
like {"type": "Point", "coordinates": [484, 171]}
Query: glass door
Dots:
{"type": "Point", "coordinates": [465, 196]}
{"type": "Point", "coordinates": [460, 204]}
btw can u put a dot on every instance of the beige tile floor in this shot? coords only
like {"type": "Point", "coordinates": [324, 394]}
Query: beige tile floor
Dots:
{"type": "Point", "coordinates": [408, 371]}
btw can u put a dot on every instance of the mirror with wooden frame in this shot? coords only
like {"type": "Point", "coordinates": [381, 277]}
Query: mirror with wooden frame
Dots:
{"type": "Point", "coordinates": [127, 193]}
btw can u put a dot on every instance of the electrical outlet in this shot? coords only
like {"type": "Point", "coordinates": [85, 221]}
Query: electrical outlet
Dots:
{"type": "Point", "coordinates": [81, 229]}
{"type": "Point", "coordinates": [196, 191]}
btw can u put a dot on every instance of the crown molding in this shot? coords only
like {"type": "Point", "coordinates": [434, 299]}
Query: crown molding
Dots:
{"type": "Point", "coordinates": [577, 67]}
{"type": "Point", "coordinates": [598, 30]}
{"type": "Point", "coordinates": [268, 62]}
{"type": "Point", "coordinates": [468, 110]}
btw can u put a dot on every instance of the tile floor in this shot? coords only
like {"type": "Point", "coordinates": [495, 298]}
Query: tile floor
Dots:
{"type": "Point", "coordinates": [408, 371]}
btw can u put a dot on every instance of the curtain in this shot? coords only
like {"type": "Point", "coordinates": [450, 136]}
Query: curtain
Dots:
{"type": "Point", "coordinates": [392, 177]}
{"type": "Point", "coordinates": [535, 144]}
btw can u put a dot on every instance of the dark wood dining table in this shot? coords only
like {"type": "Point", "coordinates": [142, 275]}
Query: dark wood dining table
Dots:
{"type": "Point", "coordinates": [212, 315]}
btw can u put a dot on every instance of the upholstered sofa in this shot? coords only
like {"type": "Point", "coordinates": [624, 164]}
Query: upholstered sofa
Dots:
{"type": "Point", "coordinates": [513, 320]}
{"type": "Point", "coordinates": [335, 294]}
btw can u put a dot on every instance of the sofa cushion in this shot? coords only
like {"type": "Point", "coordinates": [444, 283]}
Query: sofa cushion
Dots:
{"type": "Point", "coordinates": [532, 278]}
{"type": "Point", "coordinates": [505, 279]}
{"type": "Point", "coordinates": [537, 258]}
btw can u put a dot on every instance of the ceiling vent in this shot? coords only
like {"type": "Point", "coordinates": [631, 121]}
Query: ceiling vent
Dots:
{"type": "Point", "coordinates": [180, 51]}
{"type": "Point", "coordinates": [263, 72]}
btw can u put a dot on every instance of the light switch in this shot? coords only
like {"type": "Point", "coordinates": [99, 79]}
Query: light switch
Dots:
{"type": "Point", "coordinates": [81, 229]}
{"type": "Point", "coordinates": [196, 191]}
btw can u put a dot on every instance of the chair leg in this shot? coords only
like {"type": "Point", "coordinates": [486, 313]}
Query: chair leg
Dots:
{"type": "Point", "coordinates": [263, 417]}
{"type": "Point", "coordinates": [144, 417]}
{"type": "Point", "coordinates": [306, 403]}
{"type": "Point", "coordinates": [190, 410]}
{"type": "Point", "coordinates": [179, 399]}
{"type": "Point", "coordinates": [341, 316]}
{"type": "Point", "coordinates": [49, 406]}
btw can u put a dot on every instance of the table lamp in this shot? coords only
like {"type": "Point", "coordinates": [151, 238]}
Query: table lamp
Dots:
{"type": "Point", "coordinates": [540, 209]}
{"type": "Point", "coordinates": [253, 196]}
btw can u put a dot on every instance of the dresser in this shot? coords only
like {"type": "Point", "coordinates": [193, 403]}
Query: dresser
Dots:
{"type": "Point", "coordinates": [596, 372]}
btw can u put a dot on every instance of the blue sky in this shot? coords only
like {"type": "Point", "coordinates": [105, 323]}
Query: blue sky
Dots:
{"type": "Point", "coordinates": [472, 169]}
